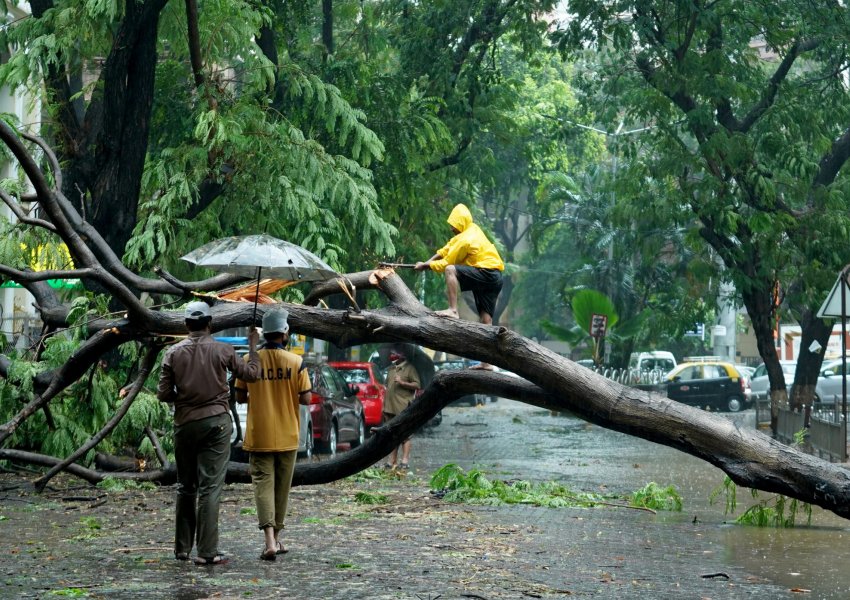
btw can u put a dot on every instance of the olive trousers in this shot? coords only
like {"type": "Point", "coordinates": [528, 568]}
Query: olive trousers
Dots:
{"type": "Point", "coordinates": [271, 473]}
{"type": "Point", "coordinates": [201, 451]}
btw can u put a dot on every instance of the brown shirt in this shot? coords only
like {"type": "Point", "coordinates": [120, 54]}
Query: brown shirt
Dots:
{"type": "Point", "coordinates": [397, 397]}
{"type": "Point", "coordinates": [194, 375]}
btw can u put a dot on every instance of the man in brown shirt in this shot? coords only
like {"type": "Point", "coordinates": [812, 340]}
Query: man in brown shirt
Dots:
{"type": "Point", "coordinates": [193, 377]}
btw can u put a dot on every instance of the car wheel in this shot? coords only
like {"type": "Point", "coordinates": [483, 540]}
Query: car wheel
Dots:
{"type": "Point", "coordinates": [361, 433]}
{"type": "Point", "coordinates": [330, 446]}
{"type": "Point", "coordinates": [734, 403]}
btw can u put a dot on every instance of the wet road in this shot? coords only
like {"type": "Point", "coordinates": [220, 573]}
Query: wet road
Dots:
{"type": "Point", "coordinates": [510, 440]}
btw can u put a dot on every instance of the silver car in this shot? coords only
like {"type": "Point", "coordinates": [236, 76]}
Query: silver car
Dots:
{"type": "Point", "coordinates": [830, 381]}
{"type": "Point", "coordinates": [760, 385]}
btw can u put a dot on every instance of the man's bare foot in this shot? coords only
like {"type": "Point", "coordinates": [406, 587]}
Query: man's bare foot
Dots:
{"type": "Point", "coordinates": [483, 367]}
{"type": "Point", "coordinates": [449, 312]}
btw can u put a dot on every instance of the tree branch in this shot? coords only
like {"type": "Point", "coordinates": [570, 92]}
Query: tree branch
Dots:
{"type": "Point", "coordinates": [144, 370]}
{"type": "Point", "coordinates": [769, 94]}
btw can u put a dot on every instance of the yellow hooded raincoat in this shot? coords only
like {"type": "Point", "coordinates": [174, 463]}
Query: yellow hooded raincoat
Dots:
{"type": "Point", "coordinates": [469, 247]}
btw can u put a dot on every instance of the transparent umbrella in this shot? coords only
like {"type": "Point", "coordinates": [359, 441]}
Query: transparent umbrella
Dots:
{"type": "Point", "coordinates": [256, 255]}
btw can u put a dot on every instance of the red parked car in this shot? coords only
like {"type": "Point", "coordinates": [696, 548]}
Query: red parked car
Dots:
{"type": "Point", "coordinates": [368, 380]}
{"type": "Point", "coordinates": [336, 413]}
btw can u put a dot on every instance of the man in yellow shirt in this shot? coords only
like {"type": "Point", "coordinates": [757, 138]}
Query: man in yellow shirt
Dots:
{"type": "Point", "coordinates": [470, 262]}
{"type": "Point", "coordinates": [271, 431]}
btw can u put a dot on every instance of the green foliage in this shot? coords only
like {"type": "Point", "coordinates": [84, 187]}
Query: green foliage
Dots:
{"type": "Point", "coordinates": [474, 487]}
{"type": "Point", "coordinates": [777, 511]}
{"type": "Point", "coordinates": [657, 498]}
{"type": "Point", "coordinates": [370, 498]}
{"type": "Point", "coordinates": [90, 523]}
{"type": "Point", "coordinates": [115, 484]}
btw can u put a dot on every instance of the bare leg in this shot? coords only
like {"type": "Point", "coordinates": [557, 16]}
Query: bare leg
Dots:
{"type": "Point", "coordinates": [452, 287]}
{"type": "Point", "coordinates": [269, 535]}
{"type": "Point", "coordinates": [486, 319]}
{"type": "Point", "coordinates": [394, 456]}
{"type": "Point", "coordinates": [405, 453]}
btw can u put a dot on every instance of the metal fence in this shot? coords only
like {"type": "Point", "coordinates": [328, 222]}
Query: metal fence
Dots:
{"type": "Point", "coordinates": [825, 429]}
{"type": "Point", "coordinates": [19, 332]}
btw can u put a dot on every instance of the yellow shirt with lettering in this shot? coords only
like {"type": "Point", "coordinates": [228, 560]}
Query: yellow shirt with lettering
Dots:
{"type": "Point", "coordinates": [273, 413]}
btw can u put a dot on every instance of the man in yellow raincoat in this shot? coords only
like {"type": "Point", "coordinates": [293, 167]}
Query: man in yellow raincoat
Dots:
{"type": "Point", "coordinates": [470, 262]}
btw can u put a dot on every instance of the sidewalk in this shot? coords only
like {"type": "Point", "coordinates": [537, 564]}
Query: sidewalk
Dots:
{"type": "Point", "coordinates": [415, 547]}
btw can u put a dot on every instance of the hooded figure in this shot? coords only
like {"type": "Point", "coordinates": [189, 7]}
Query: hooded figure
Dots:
{"type": "Point", "coordinates": [468, 247]}
{"type": "Point", "coordinates": [471, 263]}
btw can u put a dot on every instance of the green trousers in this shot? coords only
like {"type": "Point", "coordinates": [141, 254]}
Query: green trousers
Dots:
{"type": "Point", "coordinates": [272, 473]}
{"type": "Point", "coordinates": [201, 450]}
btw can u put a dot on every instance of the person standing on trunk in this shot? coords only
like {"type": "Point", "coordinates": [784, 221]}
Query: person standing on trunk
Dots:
{"type": "Point", "coordinates": [193, 377]}
{"type": "Point", "coordinates": [271, 432]}
{"type": "Point", "coordinates": [470, 262]}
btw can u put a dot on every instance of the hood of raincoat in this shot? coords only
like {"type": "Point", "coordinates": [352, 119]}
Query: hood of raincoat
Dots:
{"type": "Point", "coordinates": [460, 217]}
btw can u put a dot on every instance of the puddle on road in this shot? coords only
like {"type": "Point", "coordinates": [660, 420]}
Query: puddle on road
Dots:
{"type": "Point", "coordinates": [526, 443]}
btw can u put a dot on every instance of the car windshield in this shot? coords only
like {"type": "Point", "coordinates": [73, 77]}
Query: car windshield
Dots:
{"type": "Point", "coordinates": [657, 364]}
{"type": "Point", "coordinates": [448, 365]}
{"type": "Point", "coordinates": [354, 375]}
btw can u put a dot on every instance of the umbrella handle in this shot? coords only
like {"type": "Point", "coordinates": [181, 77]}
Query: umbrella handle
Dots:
{"type": "Point", "coordinates": [256, 298]}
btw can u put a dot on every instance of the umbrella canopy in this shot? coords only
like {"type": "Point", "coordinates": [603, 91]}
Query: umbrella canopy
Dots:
{"type": "Point", "coordinates": [247, 255]}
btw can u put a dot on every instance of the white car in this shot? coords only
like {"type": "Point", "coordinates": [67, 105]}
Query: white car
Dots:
{"type": "Point", "coordinates": [305, 435]}
{"type": "Point", "coordinates": [830, 382]}
{"type": "Point", "coordinates": [760, 385]}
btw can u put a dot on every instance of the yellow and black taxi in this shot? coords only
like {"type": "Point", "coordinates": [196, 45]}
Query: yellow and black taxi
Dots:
{"type": "Point", "coordinates": [707, 382]}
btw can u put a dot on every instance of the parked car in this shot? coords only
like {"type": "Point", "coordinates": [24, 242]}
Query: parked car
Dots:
{"type": "Point", "coordinates": [369, 381]}
{"type": "Point", "coordinates": [656, 360]}
{"type": "Point", "coordinates": [336, 412]}
{"type": "Point", "coordinates": [830, 382]}
{"type": "Point", "coordinates": [746, 372]}
{"type": "Point", "coordinates": [709, 384]}
{"type": "Point", "coordinates": [461, 363]}
{"type": "Point", "coordinates": [760, 385]}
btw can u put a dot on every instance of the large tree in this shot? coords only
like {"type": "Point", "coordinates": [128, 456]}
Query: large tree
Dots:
{"type": "Point", "coordinates": [750, 130]}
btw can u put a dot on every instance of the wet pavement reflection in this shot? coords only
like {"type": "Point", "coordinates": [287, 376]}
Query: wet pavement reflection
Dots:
{"type": "Point", "coordinates": [510, 440]}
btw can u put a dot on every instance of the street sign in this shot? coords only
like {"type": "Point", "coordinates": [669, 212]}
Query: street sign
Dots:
{"type": "Point", "coordinates": [698, 331]}
{"type": "Point", "coordinates": [598, 325]}
{"type": "Point", "coordinates": [832, 305]}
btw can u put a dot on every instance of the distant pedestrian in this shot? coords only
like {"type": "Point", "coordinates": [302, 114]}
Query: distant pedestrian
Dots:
{"type": "Point", "coordinates": [193, 377]}
{"type": "Point", "coordinates": [273, 425]}
{"type": "Point", "coordinates": [402, 383]}
{"type": "Point", "coordinates": [471, 263]}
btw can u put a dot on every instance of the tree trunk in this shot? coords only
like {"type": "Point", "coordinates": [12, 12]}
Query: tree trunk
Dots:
{"type": "Point", "coordinates": [759, 304]}
{"type": "Point", "coordinates": [328, 26]}
{"type": "Point", "coordinates": [809, 363]}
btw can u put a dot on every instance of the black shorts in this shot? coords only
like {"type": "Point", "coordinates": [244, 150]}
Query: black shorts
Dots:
{"type": "Point", "coordinates": [485, 285]}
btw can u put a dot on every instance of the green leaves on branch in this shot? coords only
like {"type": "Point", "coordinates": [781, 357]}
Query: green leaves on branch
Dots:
{"type": "Point", "coordinates": [777, 511]}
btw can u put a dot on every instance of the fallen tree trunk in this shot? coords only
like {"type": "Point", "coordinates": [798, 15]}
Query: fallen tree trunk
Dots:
{"type": "Point", "coordinates": [750, 458]}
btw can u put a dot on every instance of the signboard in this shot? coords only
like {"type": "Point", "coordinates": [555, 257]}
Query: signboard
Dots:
{"type": "Point", "coordinates": [832, 305]}
{"type": "Point", "coordinates": [598, 325]}
{"type": "Point", "coordinates": [718, 330]}
{"type": "Point", "coordinates": [698, 331]}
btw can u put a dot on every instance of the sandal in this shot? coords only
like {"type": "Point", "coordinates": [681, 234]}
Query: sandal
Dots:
{"type": "Point", "coordinates": [218, 559]}
{"type": "Point", "coordinates": [268, 555]}
{"type": "Point", "coordinates": [388, 466]}
{"type": "Point", "coordinates": [404, 467]}
{"type": "Point", "coordinates": [281, 549]}
{"type": "Point", "coordinates": [181, 555]}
